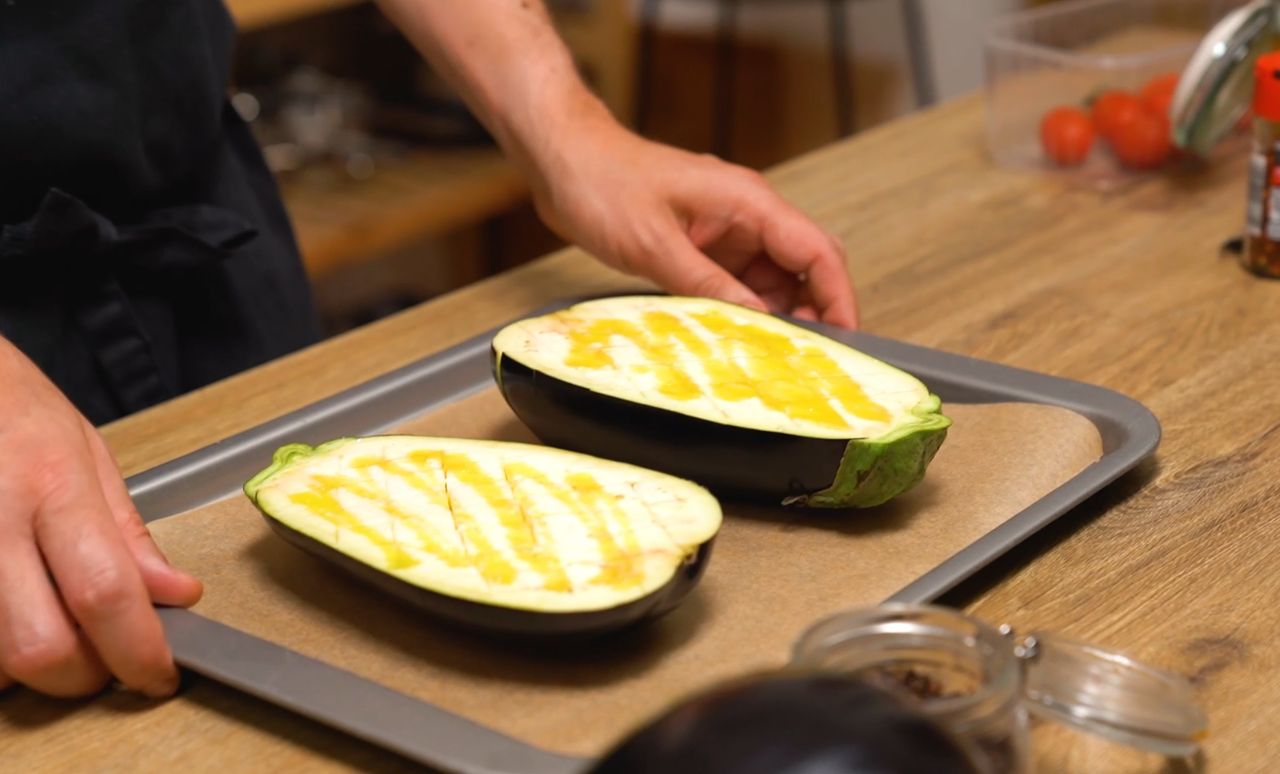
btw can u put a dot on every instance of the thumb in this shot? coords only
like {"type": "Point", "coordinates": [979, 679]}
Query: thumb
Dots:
{"type": "Point", "coordinates": [682, 269]}
{"type": "Point", "coordinates": [166, 584]}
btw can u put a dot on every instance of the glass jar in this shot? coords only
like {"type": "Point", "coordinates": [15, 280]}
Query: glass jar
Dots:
{"type": "Point", "coordinates": [982, 683]}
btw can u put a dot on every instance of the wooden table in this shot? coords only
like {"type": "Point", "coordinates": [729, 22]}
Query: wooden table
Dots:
{"type": "Point", "coordinates": [1178, 563]}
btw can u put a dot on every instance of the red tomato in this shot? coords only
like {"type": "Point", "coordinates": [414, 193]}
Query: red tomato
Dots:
{"type": "Point", "coordinates": [1143, 143]}
{"type": "Point", "coordinates": [1157, 95]}
{"type": "Point", "coordinates": [1113, 110]}
{"type": "Point", "coordinates": [1066, 134]}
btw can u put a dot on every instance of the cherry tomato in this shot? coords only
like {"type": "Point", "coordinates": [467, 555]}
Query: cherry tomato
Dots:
{"type": "Point", "coordinates": [1115, 109]}
{"type": "Point", "coordinates": [1143, 142]}
{"type": "Point", "coordinates": [1157, 95]}
{"type": "Point", "coordinates": [1066, 134]}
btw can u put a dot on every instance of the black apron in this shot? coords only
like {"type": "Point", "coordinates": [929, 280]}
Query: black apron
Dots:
{"type": "Point", "coordinates": [144, 250]}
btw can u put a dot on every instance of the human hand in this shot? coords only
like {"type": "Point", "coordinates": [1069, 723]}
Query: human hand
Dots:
{"type": "Point", "coordinates": [693, 224]}
{"type": "Point", "coordinates": [78, 569]}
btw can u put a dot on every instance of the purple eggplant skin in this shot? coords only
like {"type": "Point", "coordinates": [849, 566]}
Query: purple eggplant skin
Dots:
{"type": "Point", "coordinates": [510, 622]}
{"type": "Point", "coordinates": [790, 724]}
{"type": "Point", "coordinates": [748, 464]}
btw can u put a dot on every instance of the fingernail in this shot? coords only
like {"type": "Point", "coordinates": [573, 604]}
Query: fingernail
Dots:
{"type": "Point", "coordinates": [163, 688]}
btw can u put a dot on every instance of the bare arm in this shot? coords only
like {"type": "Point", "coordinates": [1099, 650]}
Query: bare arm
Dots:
{"type": "Point", "coordinates": [691, 223]}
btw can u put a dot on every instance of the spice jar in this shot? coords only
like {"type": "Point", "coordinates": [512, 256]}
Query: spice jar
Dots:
{"type": "Point", "coordinates": [983, 684]}
{"type": "Point", "coordinates": [1262, 243]}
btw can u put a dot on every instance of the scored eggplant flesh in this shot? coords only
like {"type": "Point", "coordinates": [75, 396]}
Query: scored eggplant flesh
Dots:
{"type": "Point", "coordinates": [501, 524]}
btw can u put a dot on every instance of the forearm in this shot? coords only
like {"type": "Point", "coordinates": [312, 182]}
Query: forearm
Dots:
{"type": "Point", "coordinates": [507, 61]}
{"type": "Point", "coordinates": [691, 223]}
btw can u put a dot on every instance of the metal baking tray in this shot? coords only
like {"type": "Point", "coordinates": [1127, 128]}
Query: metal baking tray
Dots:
{"type": "Point", "coordinates": [446, 741]}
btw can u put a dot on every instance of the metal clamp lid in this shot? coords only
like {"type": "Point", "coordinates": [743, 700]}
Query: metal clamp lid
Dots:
{"type": "Point", "coordinates": [1110, 694]}
{"type": "Point", "coordinates": [1216, 84]}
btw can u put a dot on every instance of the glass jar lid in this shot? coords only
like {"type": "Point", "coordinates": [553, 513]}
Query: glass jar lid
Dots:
{"type": "Point", "coordinates": [1089, 688]}
{"type": "Point", "coordinates": [1215, 88]}
{"type": "Point", "coordinates": [1110, 694]}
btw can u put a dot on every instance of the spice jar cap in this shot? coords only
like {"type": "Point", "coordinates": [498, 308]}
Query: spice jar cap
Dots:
{"type": "Point", "coordinates": [1217, 83]}
{"type": "Point", "coordinates": [1266, 87]}
{"type": "Point", "coordinates": [1110, 694]}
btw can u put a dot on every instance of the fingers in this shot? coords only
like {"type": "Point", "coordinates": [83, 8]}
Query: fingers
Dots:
{"type": "Point", "coordinates": [680, 268]}
{"type": "Point", "coordinates": [166, 584]}
{"type": "Point", "coordinates": [776, 287]}
{"type": "Point", "coordinates": [798, 245]}
{"type": "Point", "coordinates": [101, 585]}
{"type": "Point", "coordinates": [39, 644]}
{"type": "Point", "coordinates": [810, 257]}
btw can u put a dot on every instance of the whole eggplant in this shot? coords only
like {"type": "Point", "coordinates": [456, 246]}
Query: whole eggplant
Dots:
{"type": "Point", "coordinates": [790, 724]}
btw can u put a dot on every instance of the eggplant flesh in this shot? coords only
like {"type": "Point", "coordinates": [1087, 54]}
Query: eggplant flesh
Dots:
{"type": "Point", "coordinates": [499, 536]}
{"type": "Point", "coordinates": [746, 404]}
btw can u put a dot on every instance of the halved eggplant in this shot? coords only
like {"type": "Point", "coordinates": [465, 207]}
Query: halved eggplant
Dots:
{"type": "Point", "coordinates": [743, 402]}
{"type": "Point", "coordinates": [500, 536]}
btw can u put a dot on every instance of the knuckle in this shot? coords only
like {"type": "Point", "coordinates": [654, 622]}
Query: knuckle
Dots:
{"type": "Point", "coordinates": [706, 285]}
{"type": "Point", "coordinates": [747, 180]}
{"type": "Point", "coordinates": [104, 592]}
{"type": "Point", "coordinates": [48, 470]}
{"type": "Point", "coordinates": [36, 659]}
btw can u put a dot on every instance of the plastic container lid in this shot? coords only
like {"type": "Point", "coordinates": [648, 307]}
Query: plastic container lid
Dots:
{"type": "Point", "coordinates": [1217, 84]}
{"type": "Point", "coordinates": [1109, 694]}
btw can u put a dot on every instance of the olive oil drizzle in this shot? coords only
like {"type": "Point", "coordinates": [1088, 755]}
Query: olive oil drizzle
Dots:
{"type": "Point", "coordinates": [427, 479]}
{"type": "Point", "coordinates": [322, 500]}
{"type": "Point", "coordinates": [796, 379]}
{"type": "Point", "coordinates": [620, 566]}
{"type": "Point", "coordinates": [437, 474]}
{"type": "Point", "coordinates": [617, 565]}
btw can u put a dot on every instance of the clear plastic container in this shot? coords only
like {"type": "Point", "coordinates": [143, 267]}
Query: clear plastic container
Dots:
{"type": "Point", "coordinates": [1067, 54]}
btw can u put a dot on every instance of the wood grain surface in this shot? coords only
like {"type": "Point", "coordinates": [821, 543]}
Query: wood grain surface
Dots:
{"type": "Point", "coordinates": [1176, 563]}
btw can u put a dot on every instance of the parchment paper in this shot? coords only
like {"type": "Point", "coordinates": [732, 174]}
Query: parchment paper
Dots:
{"type": "Point", "coordinates": [772, 573]}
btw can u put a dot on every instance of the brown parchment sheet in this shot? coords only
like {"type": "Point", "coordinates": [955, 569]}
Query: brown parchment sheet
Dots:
{"type": "Point", "coordinates": [773, 572]}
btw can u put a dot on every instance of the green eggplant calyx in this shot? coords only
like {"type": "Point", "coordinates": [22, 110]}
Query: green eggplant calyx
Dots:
{"type": "Point", "coordinates": [286, 457]}
{"type": "Point", "coordinates": [875, 470]}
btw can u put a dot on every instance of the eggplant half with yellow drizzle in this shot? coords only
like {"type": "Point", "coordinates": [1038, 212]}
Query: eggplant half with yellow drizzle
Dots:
{"type": "Point", "coordinates": [505, 537]}
{"type": "Point", "coordinates": [742, 402]}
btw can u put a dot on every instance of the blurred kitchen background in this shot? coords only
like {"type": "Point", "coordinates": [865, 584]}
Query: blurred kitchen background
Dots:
{"type": "Point", "coordinates": [397, 195]}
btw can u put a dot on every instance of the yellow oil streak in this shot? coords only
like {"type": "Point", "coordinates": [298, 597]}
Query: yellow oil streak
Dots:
{"type": "Point", "coordinates": [425, 471]}
{"type": "Point", "coordinates": [797, 380]}
{"type": "Point", "coordinates": [589, 349]}
{"type": "Point", "coordinates": [728, 382]}
{"type": "Point", "coordinates": [583, 495]}
{"type": "Point", "coordinates": [619, 567]}
{"type": "Point", "coordinates": [520, 534]}
{"type": "Point", "coordinates": [321, 501]}
{"type": "Point", "coordinates": [425, 478]}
